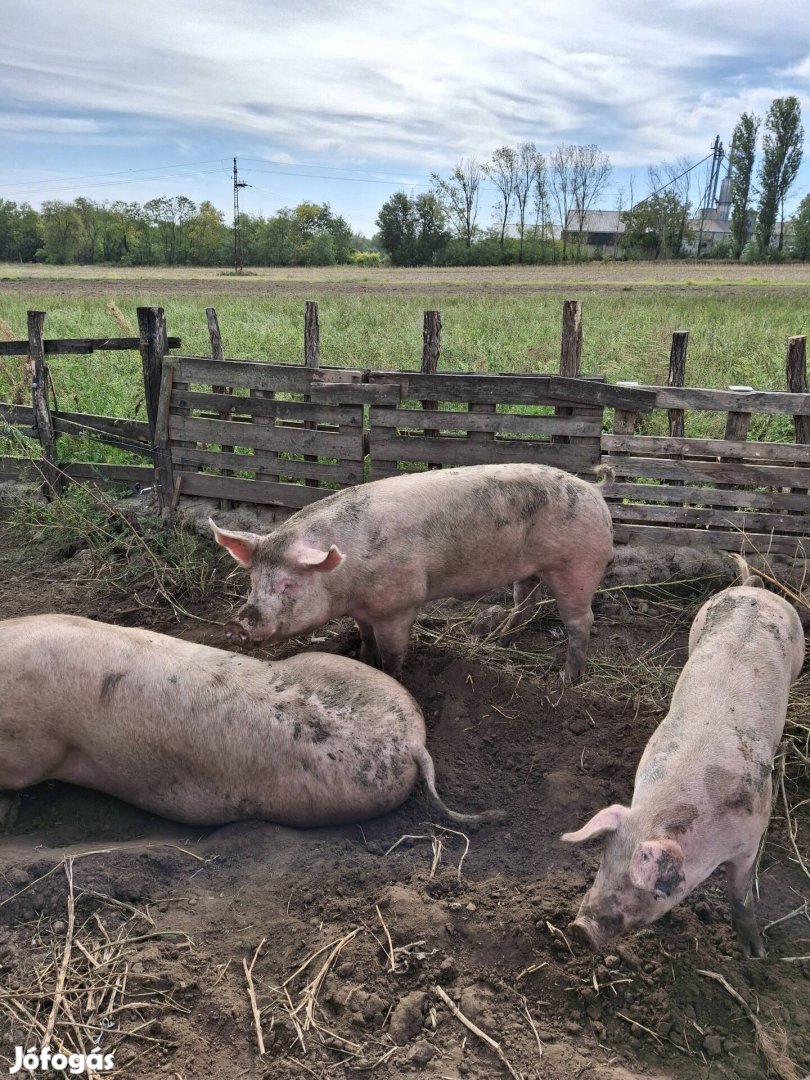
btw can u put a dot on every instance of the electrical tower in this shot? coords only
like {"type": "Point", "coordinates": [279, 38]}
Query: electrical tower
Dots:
{"type": "Point", "coordinates": [710, 196]}
{"type": "Point", "coordinates": [237, 234]}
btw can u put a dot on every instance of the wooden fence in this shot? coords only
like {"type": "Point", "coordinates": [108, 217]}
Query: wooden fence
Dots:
{"type": "Point", "coordinates": [286, 435]}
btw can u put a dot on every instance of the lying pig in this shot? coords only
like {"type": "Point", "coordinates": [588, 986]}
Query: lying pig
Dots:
{"type": "Point", "coordinates": [702, 796]}
{"type": "Point", "coordinates": [202, 735]}
{"type": "Point", "coordinates": [377, 552]}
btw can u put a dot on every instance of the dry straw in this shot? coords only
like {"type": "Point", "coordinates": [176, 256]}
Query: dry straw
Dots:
{"type": "Point", "coordinates": [75, 992]}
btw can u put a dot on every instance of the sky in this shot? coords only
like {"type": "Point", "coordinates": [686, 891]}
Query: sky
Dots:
{"type": "Point", "coordinates": [348, 101]}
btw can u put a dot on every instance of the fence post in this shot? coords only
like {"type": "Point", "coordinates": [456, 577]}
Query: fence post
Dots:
{"type": "Point", "coordinates": [43, 422]}
{"type": "Point", "coordinates": [312, 359]}
{"type": "Point", "coordinates": [677, 377]}
{"type": "Point", "coordinates": [152, 328]}
{"type": "Point", "coordinates": [571, 346]}
{"type": "Point", "coordinates": [796, 373]}
{"type": "Point", "coordinates": [431, 351]}
{"type": "Point", "coordinates": [218, 354]}
{"type": "Point", "coordinates": [153, 345]}
{"type": "Point", "coordinates": [570, 354]}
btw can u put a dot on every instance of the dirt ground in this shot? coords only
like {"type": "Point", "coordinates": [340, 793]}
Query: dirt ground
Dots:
{"type": "Point", "coordinates": [170, 926]}
{"type": "Point", "coordinates": [709, 278]}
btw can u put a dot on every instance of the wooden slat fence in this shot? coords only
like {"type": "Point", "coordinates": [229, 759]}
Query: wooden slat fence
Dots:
{"type": "Point", "coordinates": [275, 433]}
{"type": "Point", "coordinates": [484, 419]}
{"type": "Point", "coordinates": [730, 493]}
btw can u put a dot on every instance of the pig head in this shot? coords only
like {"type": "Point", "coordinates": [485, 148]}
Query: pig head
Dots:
{"type": "Point", "coordinates": [288, 593]}
{"type": "Point", "coordinates": [638, 880]}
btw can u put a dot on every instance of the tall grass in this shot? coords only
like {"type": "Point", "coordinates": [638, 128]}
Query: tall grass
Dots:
{"type": "Point", "coordinates": [737, 336]}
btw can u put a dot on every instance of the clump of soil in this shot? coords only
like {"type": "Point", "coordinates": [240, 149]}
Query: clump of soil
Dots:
{"type": "Point", "coordinates": [349, 937]}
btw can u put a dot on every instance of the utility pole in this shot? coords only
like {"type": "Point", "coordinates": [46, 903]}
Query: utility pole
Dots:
{"type": "Point", "coordinates": [718, 153]}
{"type": "Point", "coordinates": [237, 235]}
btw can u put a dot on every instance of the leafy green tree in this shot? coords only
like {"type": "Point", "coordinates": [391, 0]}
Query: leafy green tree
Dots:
{"type": "Point", "coordinates": [169, 216]}
{"type": "Point", "coordinates": [781, 158]}
{"type": "Point", "coordinates": [502, 171]}
{"type": "Point", "coordinates": [431, 228]}
{"type": "Point", "coordinates": [206, 236]}
{"type": "Point", "coordinates": [397, 226]}
{"type": "Point", "coordinates": [654, 228]}
{"type": "Point", "coordinates": [20, 235]}
{"type": "Point", "coordinates": [459, 197]}
{"type": "Point", "coordinates": [800, 243]}
{"type": "Point", "coordinates": [61, 232]}
{"type": "Point", "coordinates": [741, 164]}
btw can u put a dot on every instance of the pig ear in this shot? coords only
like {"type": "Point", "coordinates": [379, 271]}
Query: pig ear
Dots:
{"type": "Point", "coordinates": [657, 866]}
{"type": "Point", "coordinates": [607, 820]}
{"type": "Point", "coordinates": [308, 558]}
{"type": "Point", "coordinates": [240, 544]}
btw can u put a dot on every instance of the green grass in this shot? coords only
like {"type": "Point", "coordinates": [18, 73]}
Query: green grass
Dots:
{"type": "Point", "coordinates": [491, 322]}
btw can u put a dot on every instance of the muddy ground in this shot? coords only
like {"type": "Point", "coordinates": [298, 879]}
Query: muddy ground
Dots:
{"type": "Point", "coordinates": [162, 919]}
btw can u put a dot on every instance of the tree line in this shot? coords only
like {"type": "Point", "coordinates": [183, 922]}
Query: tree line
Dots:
{"type": "Point", "coordinates": [542, 213]}
{"type": "Point", "coordinates": [542, 205]}
{"type": "Point", "coordinates": [172, 231]}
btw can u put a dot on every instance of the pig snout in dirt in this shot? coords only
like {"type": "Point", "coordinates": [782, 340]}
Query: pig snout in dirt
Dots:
{"type": "Point", "coordinates": [379, 551]}
{"type": "Point", "coordinates": [202, 735]}
{"type": "Point", "coordinates": [702, 794]}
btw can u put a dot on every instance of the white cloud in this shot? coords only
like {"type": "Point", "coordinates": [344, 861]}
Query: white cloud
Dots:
{"type": "Point", "coordinates": [415, 86]}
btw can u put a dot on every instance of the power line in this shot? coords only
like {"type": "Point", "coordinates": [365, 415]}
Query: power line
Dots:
{"type": "Point", "coordinates": [124, 172]}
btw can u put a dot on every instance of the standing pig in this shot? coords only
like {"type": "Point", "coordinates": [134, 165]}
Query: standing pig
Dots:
{"type": "Point", "coordinates": [202, 735]}
{"type": "Point", "coordinates": [702, 796]}
{"type": "Point", "coordinates": [379, 551]}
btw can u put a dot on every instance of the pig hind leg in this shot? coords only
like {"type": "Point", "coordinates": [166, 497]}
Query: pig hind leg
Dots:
{"type": "Point", "coordinates": [573, 589]}
{"type": "Point", "coordinates": [740, 879]}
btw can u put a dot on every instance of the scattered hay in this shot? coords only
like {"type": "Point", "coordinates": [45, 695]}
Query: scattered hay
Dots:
{"type": "Point", "coordinates": [297, 1001]}
{"type": "Point", "coordinates": [76, 993]}
{"type": "Point", "coordinates": [772, 1046]}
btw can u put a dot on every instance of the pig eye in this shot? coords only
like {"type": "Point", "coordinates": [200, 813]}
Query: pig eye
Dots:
{"type": "Point", "coordinates": [288, 587]}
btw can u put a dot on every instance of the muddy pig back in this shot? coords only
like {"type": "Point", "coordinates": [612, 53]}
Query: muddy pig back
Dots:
{"type": "Point", "coordinates": [199, 734]}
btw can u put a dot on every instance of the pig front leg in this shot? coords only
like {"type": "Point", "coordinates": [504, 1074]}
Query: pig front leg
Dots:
{"type": "Point", "coordinates": [392, 640]}
{"type": "Point", "coordinates": [740, 879]}
{"type": "Point", "coordinates": [369, 653]}
{"type": "Point", "coordinates": [9, 809]}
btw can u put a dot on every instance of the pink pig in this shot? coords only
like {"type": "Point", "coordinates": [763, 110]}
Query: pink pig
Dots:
{"type": "Point", "coordinates": [702, 795]}
{"type": "Point", "coordinates": [379, 551]}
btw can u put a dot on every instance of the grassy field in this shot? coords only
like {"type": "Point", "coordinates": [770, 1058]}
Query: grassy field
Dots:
{"type": "Point", "coordinates": [494, 319]}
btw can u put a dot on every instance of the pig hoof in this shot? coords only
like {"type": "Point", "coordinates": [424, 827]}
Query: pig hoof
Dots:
{"type": "Point", "coordinates": [489, 621]}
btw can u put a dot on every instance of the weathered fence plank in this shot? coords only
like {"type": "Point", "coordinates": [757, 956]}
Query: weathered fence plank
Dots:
{"type": "Point", "coordinates": [233, 406]}
{"type": "Point", "coordinates": [247, 374]}
{"type": "Point", "coordinates": [677, 377]}
{"type": "Point", "coordinates": [696, 471]}
{"type": "Point", "coordinates": [431, 351]}
{"type": "Point", "coordinates": [73, 346]}
{"type": "Point", "coordinates": [502, 423]}
{"type": "Point", "coordinates": [267, 493]}
{"type": "Point", "coordinates": [738, 498]}
{"type": "Point", "coordinates": [747, 543]}
{"type": "Point", "coordinates": [271, 439]}
{"type": "Point", "coordinates": [388, 446]}
{"type": "Point", "coordinates": [40, 386]}
{"type": "Point", "coordinates": [338, 472]}
{"type": "Point", "coordinates": [312, 359]}
{"type": "Point", "coordinates": [662, 446]}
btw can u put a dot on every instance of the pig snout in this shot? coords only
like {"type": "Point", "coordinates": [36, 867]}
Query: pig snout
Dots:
{"type": "Point", "coordinates": [587, 933]}
{"type": "Point", "coordinates": [235, 632]}
{"type": "Point", "coordinates": [249, 626]}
